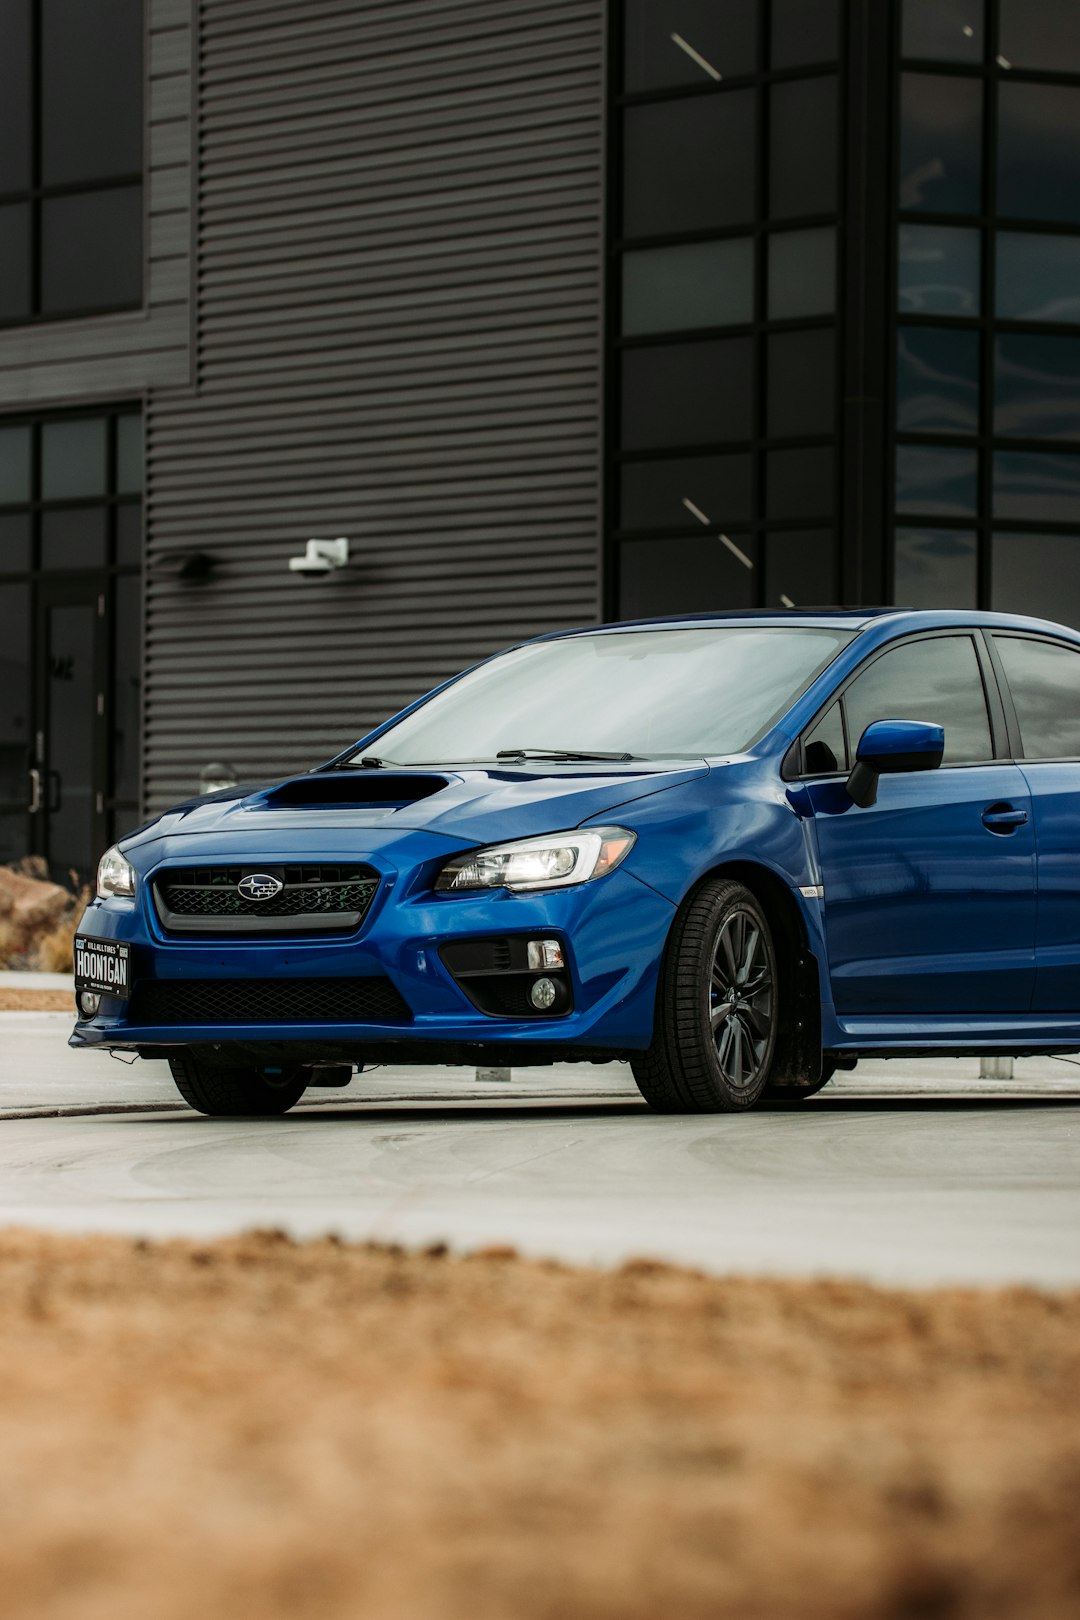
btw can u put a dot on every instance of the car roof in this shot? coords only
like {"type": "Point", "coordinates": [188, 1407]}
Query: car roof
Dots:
{"type": "Point", "coordinates": [839, 618]}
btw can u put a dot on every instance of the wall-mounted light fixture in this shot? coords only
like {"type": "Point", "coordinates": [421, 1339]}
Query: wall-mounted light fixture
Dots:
{"type": "Point", "coordinates": [320, 557]}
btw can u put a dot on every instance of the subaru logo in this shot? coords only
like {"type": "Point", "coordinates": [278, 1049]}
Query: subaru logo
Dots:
{"type": "Point", "coordinates": [259, 886]}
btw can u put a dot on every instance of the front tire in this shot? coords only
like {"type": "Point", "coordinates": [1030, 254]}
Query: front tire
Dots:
{"type": "Point", "coordinates": [235, 1091]}
{"type": "Point", "coordinates": [717, 1008]}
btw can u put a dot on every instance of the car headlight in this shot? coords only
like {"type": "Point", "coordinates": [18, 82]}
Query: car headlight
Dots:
{"type": "Point", "coordinates": [551, 862]}
{"type": "Point", "coordinates": [114, 875]}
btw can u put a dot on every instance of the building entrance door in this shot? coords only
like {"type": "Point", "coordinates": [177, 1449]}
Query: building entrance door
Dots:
{"type": "Point", "coordinates": [67, 777]}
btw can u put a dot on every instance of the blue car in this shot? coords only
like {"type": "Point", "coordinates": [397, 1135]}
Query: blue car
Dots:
{"type": "Point", "coordinates": [738, 851]}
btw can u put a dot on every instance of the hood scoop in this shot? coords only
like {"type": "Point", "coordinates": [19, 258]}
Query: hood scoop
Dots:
{"type": "Point", "coordinates": [359, 790]}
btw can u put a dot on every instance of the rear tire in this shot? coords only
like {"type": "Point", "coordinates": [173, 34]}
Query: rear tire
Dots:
{"type": "Point", "coordinates": [233, 1091]}
{"type": "Point", "coordinates": [716, 1007]}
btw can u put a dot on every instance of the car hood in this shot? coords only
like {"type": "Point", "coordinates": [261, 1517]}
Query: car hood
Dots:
{"type": "Point", "coordinates": [476, 805]}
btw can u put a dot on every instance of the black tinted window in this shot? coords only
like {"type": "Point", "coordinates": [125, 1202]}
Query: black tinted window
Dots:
{"type": "Point", "coordinates": [1044, 678]}
{"type": "Point", "coordinates": [936, 680]}
{"type": "Point", "coordinates": [823, 748]}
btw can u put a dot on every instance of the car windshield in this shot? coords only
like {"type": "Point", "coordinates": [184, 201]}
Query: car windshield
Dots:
{"type": "Point", "coordinates": [646, 693]}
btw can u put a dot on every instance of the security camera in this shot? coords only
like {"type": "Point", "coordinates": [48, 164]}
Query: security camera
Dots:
{"type": "Point", "coordinates": [320, 557]}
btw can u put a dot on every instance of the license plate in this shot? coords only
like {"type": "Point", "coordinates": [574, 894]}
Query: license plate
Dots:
{"type": "Point", "coordinates": [102, 965]}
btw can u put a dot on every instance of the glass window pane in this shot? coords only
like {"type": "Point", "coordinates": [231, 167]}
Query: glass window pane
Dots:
{"type": "Point", "coordinates": [802, 273]}
{"type": "Point", "coordinates": [688, 165]}
{"type": "Point", "coordinates": [1037, 386]}
{"type": "Point", "coordinates": [938, 270]}
{"type": "Point", "coordinates": [74, 537]}
{"type": "Point", "coordinates": [937, 380]}
{"type": "Point", "coordinates": [936, 680]}
{"type": "Point", "coordinates": [940, 143]}
{"type": "Point", "coordinates": [1037, 488]}
{"type": "Point", "coordinates": [1039, 151]}
{"type": "Point", "coordinates": [14, 836]}
{"type": "Point", "coordinates": [824, 748]}
{"type": "Point", "coordinates": [687, 393]}
{"type": "Point", "coordinates": [803, 31]}
{"type": "Point", "coordinates": [799, 483]}
{"type": "Point", "coordinates": [801, 372]}
{"type": "Point", "coordinates": [129, 534]}
{"type": "Point", "coordinates": [802, 147]}
{"type": "Point", "coordinates": [14, 262]}
{"type": "Point", "coordinates": [685, 492]}
{"type": "Point", "coordinates": [1037, 574]}
{"type": "Point", "coordinates": [73, 458]}
{"type": "Point", "coordinates": [679, 288]}
{"type": "Point", "coordinates": [943, 30]}
{"type": "Point", "coordinates": [800, 568]}
{"type": "Point", "coordinates": [92, 250]}
{"type": "Point", "coordinates": [1044, 680]}
{"type": "Point", "coordinates": [15, 95]}
{"type": "Point", "coordinates": [936, 568]}
{"type": "Point", "coordinates": [14, 465]}
{"type": "Point", "coordinates": [1040, 34]}
{"type": "Point", "coordinates": [695, 575]}
{"type": "Point", "coordinates": [14, 542]}
{"type": "Point", "coordinates": [672, 42]}
{"type": "Point", "coordinates": [129, 455]}
{"type": "Point", "coordinates": [91, 89]}
{"type": "Point", "coordinates": [14, 692]}
{"type": "Point", "coordinates": [933, 480]}
{"type": "Point", "coordinates": [127, 688]}
{"type": "Point", "coordinates": [1038, 277]}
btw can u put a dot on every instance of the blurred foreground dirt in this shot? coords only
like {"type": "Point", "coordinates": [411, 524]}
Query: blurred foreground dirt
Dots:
{"type": "Point", "coordinates": [255, 1429]}
{"type": "Point", "coordinates": [37, 1001]}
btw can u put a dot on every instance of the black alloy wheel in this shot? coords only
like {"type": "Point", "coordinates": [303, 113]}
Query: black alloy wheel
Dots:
{"type": "Point", "coordinates": [741, 992]}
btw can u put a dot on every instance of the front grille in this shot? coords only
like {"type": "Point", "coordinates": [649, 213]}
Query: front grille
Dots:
{"type": "Point", "coordinates": [192, 900]}
{"type": "Point", "coordinates": [267, 1001]}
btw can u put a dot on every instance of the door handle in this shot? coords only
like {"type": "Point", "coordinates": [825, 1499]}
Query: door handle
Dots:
{"type": "Point", "coordinates": [1002, 818]}
{"type": "Point", "coordinates": [35, 792]}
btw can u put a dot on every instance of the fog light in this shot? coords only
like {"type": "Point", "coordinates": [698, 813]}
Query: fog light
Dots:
{"type": "Point", "coordinates": [89, 1002]}
{"type": "Point", "coordinates": [545, 953]}
{"type": "Point", "coordinates": [542, 994]}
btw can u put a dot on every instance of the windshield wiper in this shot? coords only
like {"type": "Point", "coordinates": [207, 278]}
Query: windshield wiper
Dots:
{"type": "Point", "coordinates": [521, 755]}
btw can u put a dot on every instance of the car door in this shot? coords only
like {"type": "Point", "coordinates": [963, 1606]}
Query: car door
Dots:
{"type": "Point", "coordinates": [930, 892]}
{"type": "Point", "coordinates": [1041, 684]}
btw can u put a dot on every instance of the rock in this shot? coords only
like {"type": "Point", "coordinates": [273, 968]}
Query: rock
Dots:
{"type": "Point", "coordinates": [28, 908]}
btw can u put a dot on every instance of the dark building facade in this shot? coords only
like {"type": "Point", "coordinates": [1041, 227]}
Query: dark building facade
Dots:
{"type": "Point", "coordinates": [557, 309]}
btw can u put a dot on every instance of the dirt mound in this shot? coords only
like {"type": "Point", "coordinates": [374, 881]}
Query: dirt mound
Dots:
{"type": "Point", "coordinates": [256, 1428]}
{"type": "Point", "coordinates": [16, 1000]}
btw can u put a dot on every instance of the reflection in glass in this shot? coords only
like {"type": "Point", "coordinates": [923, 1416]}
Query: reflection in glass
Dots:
{"type": "Point", "coordinates": [14, 542]}
{"type": "Point", "coordinates": [929, 479]}
{"type": "Point", "coordinates": [73, 458]}
{"type": "Point", "coordinates": [825, 747]}
{"type": "Point", "coordinates": [943, 30]}
{"type": "Point", "coordinates": [1044, 679]}
{"type": "Point", "coordinates": [940, 143]}
{"type": "Point", "coordinates": [1039, 151]}
{"type": "Point", "coordinates": [1037, 487]}
{"type": "Point", "coordinates": [695, 575]}
{"type": "Point", "coordinates": [14, 262]}
{"type": "Point", "coordinates": [91, 76]}
{"type": "Point", "coordinates": [800, 568]}
{"type": "Point", "coordinates": [802, 147]}
{"type": "Point", "coordinates": [14, 692]}
{"type": "Point", "coordinates": [1037, 574]}
{"type": "Point", "coordinates": [686, 393]}
{"type": "Point", "coordinates": [937, 681]}
{"type": "Point", "coordinates": [129, 534]}
{"type": "Point", "coordinates": [15, 95]}
{"type": "Point", "coordinates": [800, 483]}
{"type": "Point", "coordinates": [937, 380]}
{"type": "Point", "coordinates": [14, 465]}
{"type": "Point", "coordinates": [803, 31]}
{"type": "Point", "coordinates": [688, 164]}
{"type": "Point", "coordinates": [1037, 386]}
{"type": "Point", "coordinates": [938, 270]}
{"type": "Point", "coordinates": [1038, 277]}
{"type": "Point", "coordinates": [74, 537]}
{"type": "Point", "coordinates": [127, 681]}
{"type": "Point", "coordinates": [1040, 34]}
{"type": "Point", "coordinates": [802, 273]}
{"type": "Point", "coordinates": [801, 372]}
{"type": "Point", "coordinates": [935, 568]}
{"type": "Point", "coordinates": [129, 455]}
{"type": "Point", "coordinates": [675, 289]}
{"type": "Point", "coordinates": [70, 733]}
{"type": "Point", "coordinates": [106, 272]}
{"type": "Point", "coordinates": [670, 42]}
{"type": "Point", "coordinates": [685, 492]}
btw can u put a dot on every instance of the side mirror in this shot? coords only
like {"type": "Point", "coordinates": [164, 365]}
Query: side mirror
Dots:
{"type": "Point", "coordinates": [891, 746]}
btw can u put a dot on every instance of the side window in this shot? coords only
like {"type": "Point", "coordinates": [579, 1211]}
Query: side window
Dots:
{"type": "Point", "coordinates": [1044, 678]}
{"type": "Point", "coordinates": [823, 748]}
{"type": "Point", "coordinates": [936, 680]}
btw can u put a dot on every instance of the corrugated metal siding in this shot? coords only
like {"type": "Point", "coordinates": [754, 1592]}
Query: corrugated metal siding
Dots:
{"type": "Point", "coordinates": [399, 339]}
{"type": "Point", "coordinates": [111, 356]}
